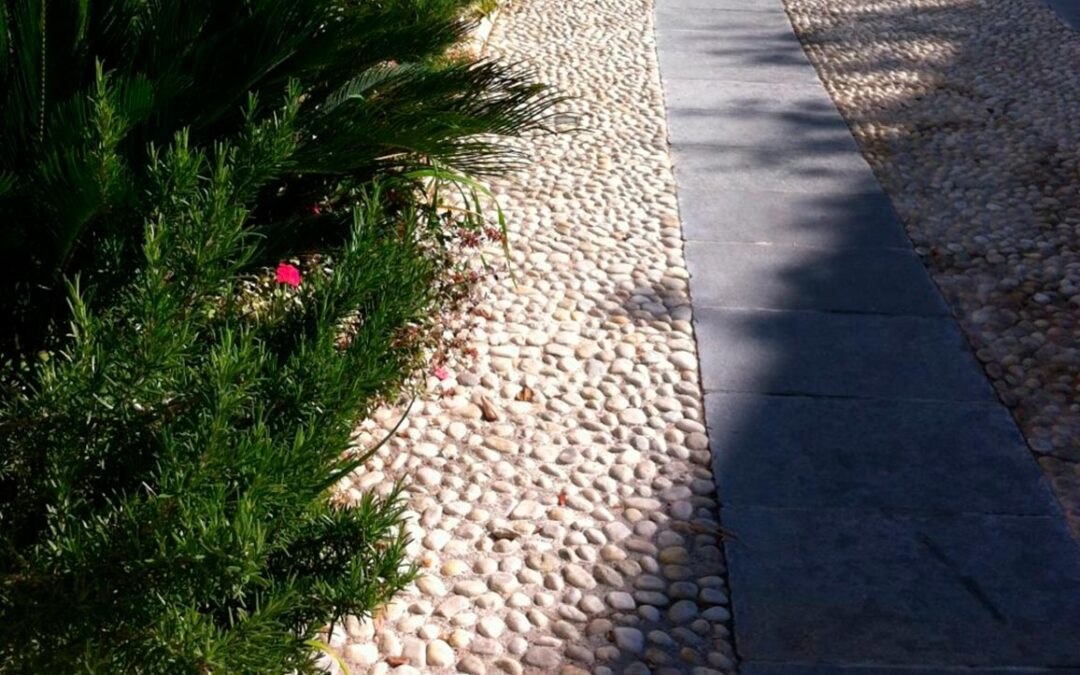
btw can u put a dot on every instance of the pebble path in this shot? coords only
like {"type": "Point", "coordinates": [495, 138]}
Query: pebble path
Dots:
{"type": "Point", "coordinates": [562, 501]}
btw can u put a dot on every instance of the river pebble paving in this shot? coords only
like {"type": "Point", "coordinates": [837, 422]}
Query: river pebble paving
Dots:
{"type": "Point", "coordinates": [561, 499]}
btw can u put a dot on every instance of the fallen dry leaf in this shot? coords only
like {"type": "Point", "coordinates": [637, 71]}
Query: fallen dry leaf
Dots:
{"type": "Point", "coordinates": [718, 531]}
{"type": "Point", "coordinates": [487, 410]}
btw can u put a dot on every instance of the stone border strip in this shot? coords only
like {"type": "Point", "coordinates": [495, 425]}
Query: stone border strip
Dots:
{"type": "Point", "coordinates": [889, 516]}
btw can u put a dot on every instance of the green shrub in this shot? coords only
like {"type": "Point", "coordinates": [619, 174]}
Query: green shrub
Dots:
{"type": "Point", "coordinates": [165, 481]}
{"type": "Point", "coordinates": [171, 434]}
{"type": "Point", "coordinates": [89, 86]}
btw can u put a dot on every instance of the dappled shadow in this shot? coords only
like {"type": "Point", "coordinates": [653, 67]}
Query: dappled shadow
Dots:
{"type": "Point", "coordinates": [969, 120]}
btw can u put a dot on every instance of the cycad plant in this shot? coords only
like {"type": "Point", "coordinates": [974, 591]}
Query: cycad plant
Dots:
{"type": "Point", "coordinates": [90, 86]}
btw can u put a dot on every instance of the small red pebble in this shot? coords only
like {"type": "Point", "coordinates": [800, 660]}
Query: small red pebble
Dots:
{"type": "Point", "coordinates": [441, 373]}
{"type": "Point", "coordinates": [562, 499]}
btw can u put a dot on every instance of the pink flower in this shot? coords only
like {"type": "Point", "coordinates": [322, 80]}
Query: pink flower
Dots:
{"type": "Point", "coordinates": [288, 274]}
{"type": "Point", "coordinates": [441, 373]}
{"type": "Point", "coordinates": [315, 209]}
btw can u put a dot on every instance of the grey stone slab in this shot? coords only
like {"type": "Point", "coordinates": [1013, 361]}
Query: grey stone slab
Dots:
{"type": "Point", "coordinates": [1068, 10]}
{"type": "Point", "coordinates": [790, 131]}
{"type": "Point", "coordinates": [797, 122]}
{"type": "Point", "coordinates": [755, 98]}
{"type": "Point", "coordinates": [701, 15]}
{"type": "Point", "coordinates": [852, 492]}
{"type": "Point", "coordinates": [773, 6]}
{"type": "Point", "coordinates": [859, 588]}
{"type": "Point", "coordinates": [742, 167]}
{"type": "Point", "coordinates": [886, 281]}
{"type": "Point", "coordinates": [825, 354]}
{"type": "Point", "coordinates": [895, 456]}
{"type": "Point", "coordinates": [754, 668]}
{"type": "Point", "coordinates": [744, 51]}
{"type": "Point", "coordinates": [722, 26]}
{"type": "Point", "coordinates": [838, 221]}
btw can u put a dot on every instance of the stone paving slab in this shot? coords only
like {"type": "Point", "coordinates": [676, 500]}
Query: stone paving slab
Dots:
{"type": "Point", "coordinates": [714, 166]}
{"type": "Point", "coordinates": [831, 669]}
{"type": "Point", "coordinates": [749, 53]}
{"type": "Point", "coordinates": [752, 99]}
{"type": "Point", "coordinates": [889, 516]}
{"type": "Point", "coordinates": [1068, 10]}
{"type": "Point", "coordinates": [791, 129]}
{"type": "Point", "coordinates": [823, 354]}
{"type": "Point", "coordinates": [854, 586]}
{"type": "Point", "coordinates": [835, 222]}
{"type": "Point", "coordinates": [690, 15]}
{"type": "Point", "coordinates": [887, 281]}
{"type": "Point", "coordinates": [896, 456]}
{"type": "Point", "coordinates": [769, 6]}
{"type": "Point", "coordinates": [703, 25]}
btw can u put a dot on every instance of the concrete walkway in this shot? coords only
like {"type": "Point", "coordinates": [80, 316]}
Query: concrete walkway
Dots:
{"type": "Point", "coordinates": [890, 517]}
